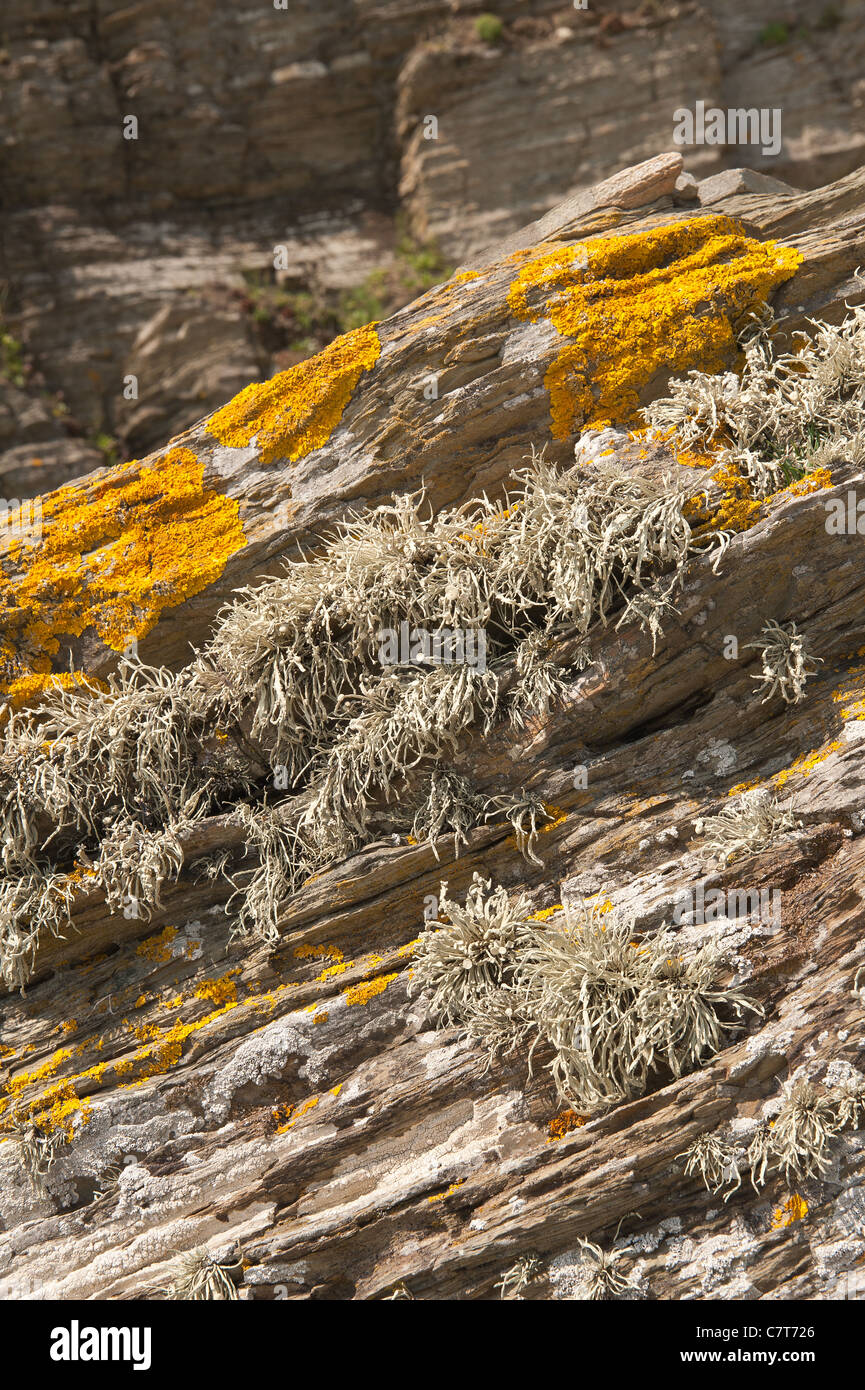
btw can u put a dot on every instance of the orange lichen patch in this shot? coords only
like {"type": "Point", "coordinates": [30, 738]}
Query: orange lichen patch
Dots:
{"type": "Point", "coordinates": [854, 710]}
{"type": "Point", "coordinates": [318, 953]}
{"type": "Point", "coordinates": [56, 1108]}
{"type": "Point", "coordinates": [28, 690]}
{"type": "Point", "coordinates": [113, 555]}
{"type": "Point", "coordinates": [49, 1068]}
{"type": "Point", "coordinates": [812, 482]}
{"type": "Point", "coordinates": [744, 786]}
{"type": "Point", "coordinates": [544, 913]}
{"type": "Point", "coordinates": [558, 815]}
{"type": "Point", "coordinates": [145, 1032]}
{"type": "Point", "coordinates": [332, 970]}
{"type": "Point", "coordinates": [464, 276]}
{"type": "Point", "coordinates": [361, 994]}
{"type": "Point", "coordinates": [689, 458]}
{"type": "Point", "coordinates": [440, 1196]}
{"type": "Point", "coordinates": [220, 991]}
{"type": "Point", "coordinates": [295, 1112]}
{"type": "Point", "coordinates": [158, 948]}
{"type": "Point", "coordinates": [632, 306]}
{"type": "Point", "coordinates": [321, 1018]}
{"type": "Point", "coordinates": [298, 410]}
{"type": "Point", "coordinates": [564, 1123]}
{"type": "Point", "coordinates": [794, 1209]}
{"type": "Point", "coordinates": [409, 946]}
{"type": "Point", "coordinates": [806, 762]}
{"type": "Point", "coordinates": [160, 1055]}
{"type": "Point", "coordinates": [335, 1090]}
{"type": "Point", "coordinates": [602, 907]}
{"type": "Point", "coordinates": [59, 1108]}
{"type": "Point", "coordinates": [738, 510]}
{"type": "Point", "coordinates": [331, 953]}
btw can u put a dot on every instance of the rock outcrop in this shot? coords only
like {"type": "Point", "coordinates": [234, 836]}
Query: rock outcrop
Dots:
{"type": "Point", "coordinates": [305, 128]}
{"type": "Point", "coordinates": [287, 1101]}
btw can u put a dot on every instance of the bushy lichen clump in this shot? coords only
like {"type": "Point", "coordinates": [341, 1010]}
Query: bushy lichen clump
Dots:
{"type": "Point", "coordinates": [751, 825]}
{"type": "Point", "coordinates": [296, 670]}
{"type": "Point", "coordinates": [783, 419]}
{"type": "Point", "coordinates": [611, 1010]}
{"type": "Point", "coordinates": [786, 662]}
{"type": "Point", "coordinates": [796, 1142]}
{"type": "Point", "coordinates": [203, 1277]}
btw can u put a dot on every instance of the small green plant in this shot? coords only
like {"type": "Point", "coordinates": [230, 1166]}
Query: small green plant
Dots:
{"type": "Point", "coordinates": [489, 28]}
{"type": "Point", "coordinates": [108, 447]}
{"type": "Point", "coordinates": [366, 303]}
{"type": "Point", "coordinates": [11, 358]}
{"type": "Point", "coordinates": [419, 265]}
{"type": "Point", "coordinates": [777, 32]}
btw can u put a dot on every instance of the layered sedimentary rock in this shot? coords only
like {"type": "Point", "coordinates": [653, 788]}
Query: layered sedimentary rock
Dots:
{"type": "Point", "coordinates": [306, 127]}
{"type": "Point", "coordinates": [289, 1102]}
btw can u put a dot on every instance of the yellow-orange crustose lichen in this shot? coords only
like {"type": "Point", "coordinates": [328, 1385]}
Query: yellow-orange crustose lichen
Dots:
{"type": "Point", "coordinates": [794, 1209]}
{"type": "Point", "coordinates": [806, 762]}
{"type": "Point", "coordinates": [298, 410]}
{"type": "Point", "coordinates": [361, 994]}
{"type": "Point", "coordinates": [634, 306]}
{"type": "Point", "coordinates": [564, 1123]}
{"type": "Point", "coordinates": [543, 913]}
{"type": "Point", "coordinates": [448, 1192]}
{"type": "Point", "coordinates": [113, 555]}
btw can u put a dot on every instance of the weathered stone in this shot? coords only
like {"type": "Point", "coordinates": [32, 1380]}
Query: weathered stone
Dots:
{"type": "Point", "coordinates": [732, 181]}
{"type": "Point", "coordinates": [686, 190]}
{"type": "Point", "coordinates": [296, 1099]}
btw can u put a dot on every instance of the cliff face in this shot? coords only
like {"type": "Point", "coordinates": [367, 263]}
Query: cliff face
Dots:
{"type": "Point", "coordinates": [306, 128]}
{"type": "Point", "coordinates": [228, 1043]}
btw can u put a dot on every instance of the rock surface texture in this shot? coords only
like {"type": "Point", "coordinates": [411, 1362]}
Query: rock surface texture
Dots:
{"type": "Point", "coordinates": [289, 1103]}
{"type": "Point", "coordinates": [306, 128]}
